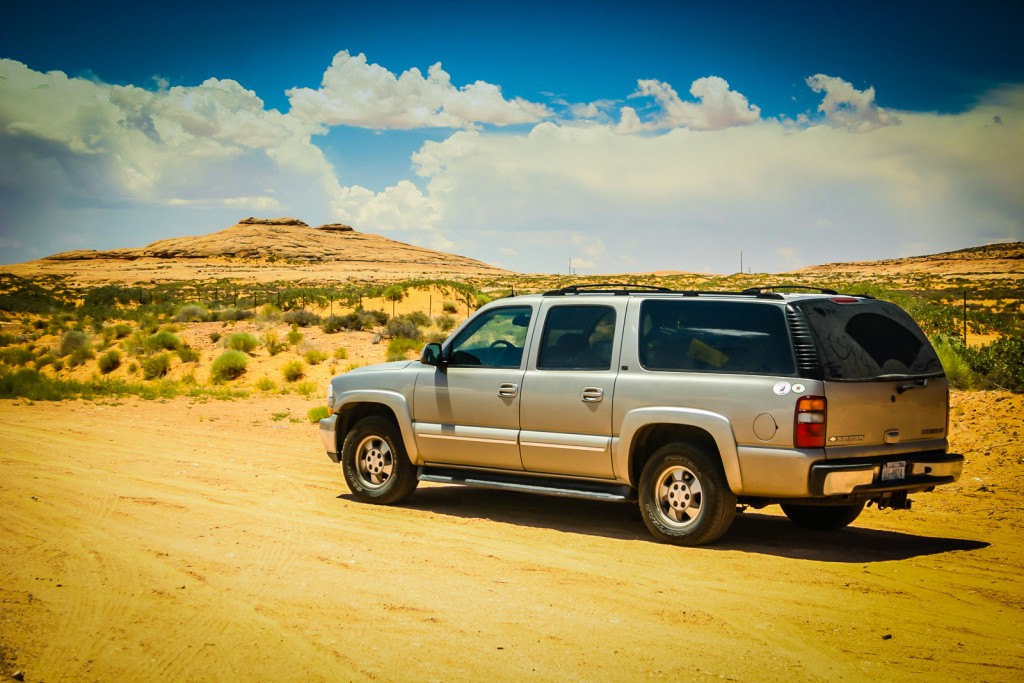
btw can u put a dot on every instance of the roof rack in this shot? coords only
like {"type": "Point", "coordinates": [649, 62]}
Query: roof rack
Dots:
{"type": "Point", "coordinates": [616, 288]}
{"type": "Point", "coordinates": [772, 288]}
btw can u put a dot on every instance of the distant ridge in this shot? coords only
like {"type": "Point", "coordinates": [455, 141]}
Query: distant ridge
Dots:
{"type": "Point", "coordinates": [992, 260]}
{"type": "Point", "coordinates": [262, 249]}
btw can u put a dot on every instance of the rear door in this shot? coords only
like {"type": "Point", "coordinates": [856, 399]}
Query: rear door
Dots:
{"type": "Point", "coordinates": [886, 390]}
{"type": "Point", "coordinates": [566, 409]}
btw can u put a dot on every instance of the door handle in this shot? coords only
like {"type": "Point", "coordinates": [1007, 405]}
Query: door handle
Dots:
{"type": "Point", "coordinates": [592, 394]}
{"type": "Point", "coordinates": [508, 390]}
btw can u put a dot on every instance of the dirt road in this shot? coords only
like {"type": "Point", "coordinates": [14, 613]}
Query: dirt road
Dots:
{"type": "Point", "coordinates": [216, 542]}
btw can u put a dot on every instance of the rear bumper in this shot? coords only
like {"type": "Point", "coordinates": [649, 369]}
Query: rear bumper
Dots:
{"type": "Point", "coordinates": [329, 437]}
{"type": "Point", "coordinates": [863, 477]}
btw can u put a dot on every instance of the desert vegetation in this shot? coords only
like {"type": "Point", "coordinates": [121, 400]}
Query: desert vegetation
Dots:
{"type": "Point", "coordinates": [225, 340]}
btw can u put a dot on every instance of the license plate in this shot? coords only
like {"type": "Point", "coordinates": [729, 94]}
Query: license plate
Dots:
{"type": "Point", "coordinates": [894, 470]}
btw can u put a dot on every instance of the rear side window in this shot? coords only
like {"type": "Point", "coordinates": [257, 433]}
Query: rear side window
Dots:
{"type": "Point", "coordinates": [578, 338]}
{"type": "Point", "coordinates": [715, 336]}
{"type": "Point", "coordinates": [868, 340]}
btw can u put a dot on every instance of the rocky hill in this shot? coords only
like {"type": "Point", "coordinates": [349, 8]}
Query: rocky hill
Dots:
{"type": "Point", "coordinates": [262, 249]}
{"type": "Point", "coordinates": [1003, 260]}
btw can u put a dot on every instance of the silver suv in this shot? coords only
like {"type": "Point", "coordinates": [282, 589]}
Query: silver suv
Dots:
{"type": "Point", "coordinates": [691, 403]}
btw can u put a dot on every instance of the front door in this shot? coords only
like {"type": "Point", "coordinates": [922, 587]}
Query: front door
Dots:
{"type": "Point", "coordinates": [468, 413]}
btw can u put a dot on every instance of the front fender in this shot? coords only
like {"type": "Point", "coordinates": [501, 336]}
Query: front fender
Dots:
{"type": "Point", "coordinates": [717, 426]}
{"type": "Point", "coordinates": [393, 400]}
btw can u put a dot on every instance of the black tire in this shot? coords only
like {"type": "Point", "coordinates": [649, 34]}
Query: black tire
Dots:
{"type": "Point", "coordinates": [684, 496]}
{"type": "Point", "coordinates": [822, 517]}
{"type": "Point", "coordinates": [376, 466]}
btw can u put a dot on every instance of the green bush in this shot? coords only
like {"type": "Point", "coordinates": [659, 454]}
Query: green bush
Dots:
{"type": "Point", "coordinates": [191, 313]}
{"type": "Point", "coordinates": [273, 343]}
{"type": "Point", "coordinates": [951, 354]}
{"type": "Point", "coordinates": [266, 384]}
{"type": "Point", "coordinates": [445, 323]}
{"type": "Point", "coordinates": [44, 360]}
{"type": "Point", "coordinates": [187, 354]}
{"type": "Point", "coordinates": [293, 370]}
{"type": "Point", "coordinates": [294, 336]}
{"type": "Point", "coordinates": [315, 356]}
{"type": "Point", "coordinates": [155, 367]}
{"type": "Point", "coordinates": [7, 339]}
{"type": "Point", "coordinates": [418, 318]}
{"type": "Point", "coordinates": [449, 307]}
{"type": "Point", "coordinates": [340, 353]}
{"type": "Point", "coordinates": [399, 347]}
{"type": "Point", "coordinates": [72, 341]}
{"type": "Point", "coordinates": [110, 361]}
{"type": "Point", "coordinates": [228, 365]}
{"type": "Point", "coordinates": [356, 321]}
{"type": "Point", "coordinates": [1001, 363]}
{"type": "Point", "coordinates": [319, 413]}
{"type": "Point", "coordinates": [215, 337]}
{"type": "Point", "coordinates": [269, 314]}
{"type": "Point", "coordinates": [301, 317]}
{"type": "Point", "coordinates": [243, 341]}
{"type": "Point", "coordinates": [166, 341]}
{"type": "Point", "coordinates": [16, 355]}
{"type": "Point", "coordinates": [231, 314]}
{"type": "Point", "coordinates": [79, 356]}
{"type": "Point", "coordinates": [402, 327]}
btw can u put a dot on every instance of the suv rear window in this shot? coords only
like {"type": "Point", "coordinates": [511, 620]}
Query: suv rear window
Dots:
{"type": "Point", "coordinates": [715, 336]}
{"type": "Point", "coordinates": [868, 340]}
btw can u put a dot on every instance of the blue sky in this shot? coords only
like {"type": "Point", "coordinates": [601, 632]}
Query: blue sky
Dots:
{"type": "Point", "coordinates": [618, 136]}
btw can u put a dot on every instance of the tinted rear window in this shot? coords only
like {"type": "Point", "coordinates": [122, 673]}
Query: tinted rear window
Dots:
{"type": "Point", "coordinates": [715, 336]}
{"type": "Point", "coordinates": [868, 340]}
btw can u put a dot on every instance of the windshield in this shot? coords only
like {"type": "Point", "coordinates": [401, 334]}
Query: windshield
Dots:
{"type": "Point", "coordinates": [868, 340]}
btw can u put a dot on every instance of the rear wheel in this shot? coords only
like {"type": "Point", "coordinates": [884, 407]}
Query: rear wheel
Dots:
{"type": "Point", "coordinates": [376, 467]}
{"type": "Point", "coordinates": [684, 496]}
{"type": "Point", "coordinates": [822, 517]}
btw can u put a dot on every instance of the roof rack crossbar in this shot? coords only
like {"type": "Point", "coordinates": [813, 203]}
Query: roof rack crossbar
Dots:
{"type": "Point", "coordinates": [606, 288]}
{"type": "Point", "coordinates": [772, 288]}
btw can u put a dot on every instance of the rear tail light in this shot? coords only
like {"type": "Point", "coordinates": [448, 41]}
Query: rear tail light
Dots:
{"type": "Point", "coordinates": [809, 422]}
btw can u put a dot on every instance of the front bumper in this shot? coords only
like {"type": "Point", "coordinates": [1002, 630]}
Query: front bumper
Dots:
{"type": "Point", "coordinates": [329, 436]}
{"type": "Point", "coordinates": [863, 477]}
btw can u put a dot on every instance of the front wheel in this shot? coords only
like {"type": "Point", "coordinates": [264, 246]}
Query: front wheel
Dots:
{"type": "Point", "coordinates": [684, 496]}
{"type": "Point", "coordinates": [376, 467]}
{"type": "Point", "coordinates": [822, 517]}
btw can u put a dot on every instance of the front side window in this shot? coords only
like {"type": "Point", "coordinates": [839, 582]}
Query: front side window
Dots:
{"type": "Point", "coordinates": [577, 338]}
{"type": "Point", "coordinates": [494, 339]}
{"type": "Point", "coordinates": [715, 336]}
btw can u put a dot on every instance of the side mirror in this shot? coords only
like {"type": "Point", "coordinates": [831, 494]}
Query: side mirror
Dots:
{"type": "Point", "coordinates": [432, 355]}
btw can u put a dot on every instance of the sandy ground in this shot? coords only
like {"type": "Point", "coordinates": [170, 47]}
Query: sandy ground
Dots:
{"type": "Point", "coordinates": [214, 541]}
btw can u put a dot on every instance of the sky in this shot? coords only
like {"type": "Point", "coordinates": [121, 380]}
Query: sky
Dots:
{"type": "Point", "coordinates": [601, 137]}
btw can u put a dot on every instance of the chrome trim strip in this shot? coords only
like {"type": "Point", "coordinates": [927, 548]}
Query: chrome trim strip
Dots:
{"type": "Point", "coordinates": [563, 446]}
{"type": "Point", "coordinates": [464, 438]}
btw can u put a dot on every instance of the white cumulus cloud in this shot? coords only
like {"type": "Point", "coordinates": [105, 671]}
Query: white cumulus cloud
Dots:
{"type": "Point", "coordinates": [717, 107]}
{"type": "Point", "coordinates": [354, 92]}
{"type": "Point", "coordinates": [848, 107]}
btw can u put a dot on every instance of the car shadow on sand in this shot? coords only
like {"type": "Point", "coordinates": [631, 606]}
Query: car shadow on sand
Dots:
{"type": "Point", "coordinates": [751, 532]}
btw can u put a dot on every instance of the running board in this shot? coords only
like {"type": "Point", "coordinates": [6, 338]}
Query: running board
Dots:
{"type": "Point", "coordinates": [566, 488]}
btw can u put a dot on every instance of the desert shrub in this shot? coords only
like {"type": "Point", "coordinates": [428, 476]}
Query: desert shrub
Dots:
{"type": "Point", "coordinates": [156, 366]}
{"type": "Point", "coordinates": [187, 354]}
{"type": "Point", "coordinates": [340, 353]}
{"type": "Point", "coordinates": [398, 348]}
{"type": "Point", "coordinates": [16, 355]}
{"type": "Point", "coordinates": [356, 321]}
{"type": "Point", "coordinates": [231, 313]}
{"type": "Point", "coordinates": [266, 384]}
{"type": "Point", "coordinates": [315, 356]}
{"type": "Point", "coordinates": [293, 370]}
{"type": "Point", "coordinates": [135, 343]}
{"type": "Point", "coordinates": [163, 341]}
{"type": "Point", "coordinates": [482, 299]}
{"type": "Point", "coordinates": [402, 327]}
{"type": "Point", "coordinates": [436, 338]}
{"type": "Point", "coordinates": [418, 318]}
{"type": "Point", "coordinates": [1001, 363]}
{"type": "Point", "coordinates": [191, 313]}
{"type": "Point", "coordinates": [306, 389]}
{"type": "Point", "coordinates": [73, 340]}
{"type": "Point", "coordinates": [449, 307]}
{"type": "Point", "coordinates": [316, 414]}
{"type": "Point", "coordinates": [394, 293]}
{"type": "Point", "coordinates": [294, 336]}
{"type": "Point", "coordinates": [215, 337]}
{"type": "Point", "coordinates": [272, 342]}
{"type": "Point", "coordinates": [44, 360]}
{"type": "Point", "coordinates": [110, 361]}
{"type": "Point", "coordinates": [243, 341]}
{"type": "Point", "coordinates": [269, 314]}
{"type": "Point", "coordinates": [951, 354]}
{"type": "Point", "coordinates": [7, 339]}
{"type": "Point", "coordinates": [301, 317]}
{"type": "Point", "coordinates": [445, 323]}
{"type": "Point", "coordinates": [228, 365]}
{"type": "Point", "coordinates": [79, 356]}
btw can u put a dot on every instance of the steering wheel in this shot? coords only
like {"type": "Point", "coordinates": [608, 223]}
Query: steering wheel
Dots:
{"type": "Point", "coordinates": [503, 342]}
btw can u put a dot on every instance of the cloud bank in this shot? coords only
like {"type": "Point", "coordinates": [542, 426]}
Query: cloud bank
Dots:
{"type": "Point", "coordinates": [663, 182]}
